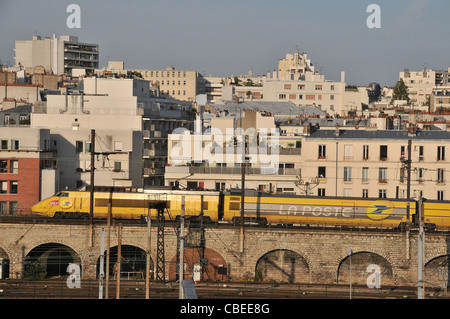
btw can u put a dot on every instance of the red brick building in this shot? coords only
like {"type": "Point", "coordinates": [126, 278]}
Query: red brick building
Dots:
{"type": "Point", "coordinates": [24, 153]}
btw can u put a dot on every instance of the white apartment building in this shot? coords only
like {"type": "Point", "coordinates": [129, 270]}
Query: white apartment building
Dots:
{"type": "Point", "coordinates": [421, 84]}
{"type": "Point", "coordinates": [131, 129]}
{"type": "Point", "coordinates": [57, 56]}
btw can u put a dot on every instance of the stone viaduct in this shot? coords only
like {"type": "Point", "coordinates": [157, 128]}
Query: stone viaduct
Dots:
{"type": "Point", "coordinates": [269, 254]}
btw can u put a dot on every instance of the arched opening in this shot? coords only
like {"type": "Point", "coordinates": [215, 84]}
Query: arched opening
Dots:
{"type": "Point", "coordinates": [361, 271]}
{"type": "Point", "coordinates": [437, 270]}
{"type": "Point", "coordinates": [4, 264]}
{"type": "Point", "coordinates": [49, 260]}
{"type": "Point", "coordinates": [212, 267]}
{"type": "Point", "coordinates": [282, 265]}
{"type": "Point", "coordinates": [133, 262]}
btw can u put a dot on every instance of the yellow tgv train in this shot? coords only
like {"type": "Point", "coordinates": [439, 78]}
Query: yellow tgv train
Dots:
{"type": "Point", "coordinates": [259, 207]}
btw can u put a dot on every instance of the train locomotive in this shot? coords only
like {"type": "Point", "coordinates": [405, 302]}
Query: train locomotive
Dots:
{"type": "Point", "coordinates": [259, 207]}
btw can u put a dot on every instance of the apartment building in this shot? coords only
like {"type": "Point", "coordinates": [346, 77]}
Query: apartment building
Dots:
{"type": "Point", "coordinates": [131, 128]}
{"type": "Point", "coordinates": [440, 99]}
{"type": "Point", "coordinates": [27, 174]}
{"type": "Point", "coordinates": [183, 85]}
{"type": "Point", "coordinates": [57, 56]}
{"type": "Point", "coordinates": [370, 163]}
{"type": "Point", "coordinates": [421, 84]}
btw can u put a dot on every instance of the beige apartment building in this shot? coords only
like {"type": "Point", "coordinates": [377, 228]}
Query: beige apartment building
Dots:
{"type": "Point", "coordinates": [175, 84]}
{"type": "Point", "coordinates": [371, 163]}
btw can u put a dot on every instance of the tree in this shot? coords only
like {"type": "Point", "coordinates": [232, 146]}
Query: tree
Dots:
{"type": "Point", "coordinates": [400, 92]}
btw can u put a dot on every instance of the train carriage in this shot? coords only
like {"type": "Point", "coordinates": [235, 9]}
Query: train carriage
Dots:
{"type": "Point", "coordinates": [129, 205]}
{"type": "Point", "coordinates": [291, 209]}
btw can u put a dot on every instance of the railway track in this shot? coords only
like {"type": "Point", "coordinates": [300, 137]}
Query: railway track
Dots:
{"type": "Point", "coordinates": [135, 289]}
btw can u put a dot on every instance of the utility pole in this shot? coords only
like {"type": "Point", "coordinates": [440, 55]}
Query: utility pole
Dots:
{"type": "Point", "coordinates": [102, 274]}
{"type": "Point", "coordinates": [181, 265]}
{"type": "Point", "coordinates": [407, 165]}
{"type": "Point", "coordinates": [108, 243]}
{"type": "Point", "coordinates": [420, 252]}
{"type": "Point", "coordinates": [91, 203]}
{"type": "Point", "coordinates": [119, 258]}
{"type": "Point", "coordinates": [149, 236]}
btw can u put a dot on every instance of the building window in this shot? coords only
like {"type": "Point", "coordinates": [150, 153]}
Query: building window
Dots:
{"type": "Point", "coordinates": [3, 210]}
{"type": "Point", "coordinates": [382, 175]}
{"type": "Point", "coordinates": [347, 174]}
{"type": "Point", "coordinates": [365, 193]}
{"type": "Point", "coordinates": [440, 175]}
{"type": "Point", "coordinates": [420, 153]}
{"type": "Point", "coordinates": [282, 96]}
{"type": "Point", "coordinates": [14, 167]}
{"type": "Point", "coordinates": [440, 195]}
{"type": "Point", "coordinates": [3, 187]}
{"type": "Point", "coordinates": [87, 147]}
{"type": "Point", "coordinates": [322, 151]}
{"type": "Point", "coordinates": [13, 187]}
{"type": "Point", "coordinates": [365, 152]}
{"type": "Point", "coordinates": [348, 152]}
{"type": "Point", "coordinates": [4, 144]}
{"type": "Point", "coordinates": [365, 175]}
{"type": "Point", "coordinates": [441, 153]}
{"type": "Point", "coordinates": [322, 172]}
{"type": "Point", "coordinates": [331, 97]}
{"type": "Point", "coordinates": [383, 152]}
{"type": "Point", "coordinates": [14, 144]}
{"type": "Point", "coordinates": [3, 166]}
{"type": "Point", "coordinates": [13, 208]}
{"type": "Point", "coordinates": [382, 193]}
{"type": "Point", "coordinates": [321, 192]}
{"type": "Point", "coordinates": [332, 87]}
{"type": "Point", "coordinates": [79, 146]}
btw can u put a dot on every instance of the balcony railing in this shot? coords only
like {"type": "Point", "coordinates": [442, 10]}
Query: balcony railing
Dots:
{"type": "Point", "coordinates": [231, 170]}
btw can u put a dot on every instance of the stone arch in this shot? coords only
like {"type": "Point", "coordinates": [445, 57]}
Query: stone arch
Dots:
{"type": "Point", "coordinates": [133, 262]}
{"type": "Point", "coordinates": [282, 265]}
{"type": "Point", "coordinates": [51, 259]}
{"type": "Point", "coordinates": [360, 262]}
{"type": "Point", "coordinates": [214, 266]}
{"type": "Point", "coordinates": [4, 264]}
{"type": "Point", "coordinates": [437, 270]}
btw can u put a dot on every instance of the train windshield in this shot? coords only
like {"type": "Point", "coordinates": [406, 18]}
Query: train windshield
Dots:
{"type": "Point", "coordinates": [62, 194]}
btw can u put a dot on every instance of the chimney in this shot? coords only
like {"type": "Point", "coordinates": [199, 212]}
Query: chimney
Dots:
{"type": "Point", "coordinates": [342, 76]}
{"type": "Point", "coordinates": [337, 130]}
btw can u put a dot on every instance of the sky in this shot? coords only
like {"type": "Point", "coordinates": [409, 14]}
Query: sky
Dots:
{"type": "Point", "coordinates": [230, 37]}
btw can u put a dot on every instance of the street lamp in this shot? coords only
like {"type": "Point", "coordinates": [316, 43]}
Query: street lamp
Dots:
{"type": "Point", "coordinates": [350, 253]}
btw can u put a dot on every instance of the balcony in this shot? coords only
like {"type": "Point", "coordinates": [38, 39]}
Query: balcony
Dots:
{"type": "Point", "coordinates": [231, 170]}
{"type": "Point", "coordinates": [152, 153]}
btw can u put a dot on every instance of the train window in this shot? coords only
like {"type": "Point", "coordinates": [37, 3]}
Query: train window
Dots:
{"type": "Point", "coordinates": [235, 206]}
{"type": "Point", "coordinates": [205, 205]}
